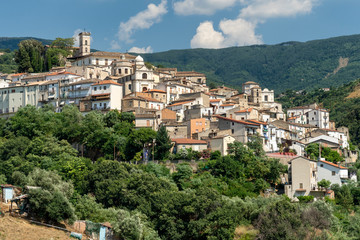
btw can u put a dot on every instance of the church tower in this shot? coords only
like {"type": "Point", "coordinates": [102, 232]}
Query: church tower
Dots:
{"type": "Point", "coordinates": [84, 43]}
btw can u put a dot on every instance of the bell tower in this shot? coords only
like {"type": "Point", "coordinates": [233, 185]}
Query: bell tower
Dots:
{"type": "Point", "coordinates": [84, 43]}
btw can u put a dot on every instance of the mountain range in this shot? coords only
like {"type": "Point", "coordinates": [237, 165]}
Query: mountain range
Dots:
{"type": "Point", "coordinates": [292, 65]}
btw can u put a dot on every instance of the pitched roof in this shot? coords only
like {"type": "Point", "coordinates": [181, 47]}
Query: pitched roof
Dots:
{"type": "Point", "coordinates": [238, 121]}
{"type": "Point", "coordinates": [61, 73]}
{"type": "Point", "coordinates": [215, 100]}
{"type": "Point", "coordinates": [245, 110]}
{"type": "Point", "coordinates": [179, 103]}
{"type": "Point", "coordinates": [332, 164]}
{"type": "Point", "coordinates": [227, 105]}
{"type": "Point", "coordinates": [188, 141]}
{"type": "Point", "coordinates": [156, 90]}
{"type": "Point", "coordinates": [106, 82]}
{"type": "Point", "coordinates": [190, 73]}
{"type": "Point", "coordinates": [17, 74]}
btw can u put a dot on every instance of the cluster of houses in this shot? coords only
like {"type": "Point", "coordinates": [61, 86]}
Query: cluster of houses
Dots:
{"type": "Point", "coordinates": [195, 116]}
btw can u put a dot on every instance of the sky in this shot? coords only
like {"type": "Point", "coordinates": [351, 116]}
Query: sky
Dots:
{"type": "Point", "coordinates": [147, 26]}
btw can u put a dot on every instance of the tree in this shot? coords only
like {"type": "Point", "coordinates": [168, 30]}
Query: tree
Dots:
{"type": "Point", "coordinates": [30, 56]}
{"type": "Point", "coordinates": [162, 144]}
{"type": "Point", "coordinates": [136, 141]}
{"type": "Point", "coordinates": [324, 183]}
{"type": "Point", "coordinates": [50, 202]}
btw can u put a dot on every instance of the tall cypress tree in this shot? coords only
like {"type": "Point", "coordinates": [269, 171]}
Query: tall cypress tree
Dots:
{"type": "Point", "coordinates": [163, 144]}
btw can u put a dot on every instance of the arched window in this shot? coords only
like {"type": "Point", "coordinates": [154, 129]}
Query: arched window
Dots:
{"type": "Point", "coordinates": [144, 76]}
{"type": "Point", "coordinates": [144, 89]}
{"type": "Point", "coordinates": [86, 49]}
{"type": "Point", "coordinates": [86, 42]}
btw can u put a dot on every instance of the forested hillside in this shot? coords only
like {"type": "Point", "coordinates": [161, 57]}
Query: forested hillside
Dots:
{"type": "Point", "coordinates": [343, 103]}
{"type": "Point", "coordinates": [291, 65]}
{"type": "Point", "coordinates": [12, 42]}
{"type": "Point", "coordinates": [220, 200]}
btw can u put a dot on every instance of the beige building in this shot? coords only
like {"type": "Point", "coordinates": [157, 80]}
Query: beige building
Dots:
{"type": "Point", "coordinates": [184, 143]}
{"type": "Point", "coordinates": [221, 143]}
{"type": "Point", "coordinates": [302, 178]}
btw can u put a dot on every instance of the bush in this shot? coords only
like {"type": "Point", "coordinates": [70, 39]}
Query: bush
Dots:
{"type": "Point", "coordinates": [305, 199]}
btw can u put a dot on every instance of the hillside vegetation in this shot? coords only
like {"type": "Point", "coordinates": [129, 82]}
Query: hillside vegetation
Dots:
{"type": "Point", "coordinates": [12, 42]}
{"type": "Point", "coordinates": [291, 65]}
{"type": "Point", "coordinates": [343, 103]}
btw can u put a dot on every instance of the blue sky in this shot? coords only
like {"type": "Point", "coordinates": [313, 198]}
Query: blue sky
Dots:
{"type": "Point", "coordinates": [161, 25]}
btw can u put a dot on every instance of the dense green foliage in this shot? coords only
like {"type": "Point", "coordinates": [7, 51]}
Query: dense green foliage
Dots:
{"type": "Point", "coordinates": [32, 56]}
{"type": "Point", "coordinates": [7, 62]}
{"type": "Point", "coordinates": [312, 151]}
{"type": "Point", "coordinates": [208, 201]}
{"type": "Point", "coordinates": [13, 42]}
{"type": "Point", "coordinates": [291, 65]}
{"type": "Point", "coordinates": [344, 111]}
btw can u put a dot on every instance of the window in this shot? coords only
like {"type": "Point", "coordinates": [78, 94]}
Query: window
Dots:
{"type": "Point", "coordinates": [321, 165]}
{"type": "Point", "coordinates": [232, 131]}
{"type": "Point", "coordinates": [95, 88]}
{"type": "Point", "coordinates": [95, 106]}
{"type": "Point", "coordinates": [266, 98]}
{"type": "Point", "coordinates": [86, 49]}
{"type": "Point", "coordinates": [104, 105]}
{"type": "Point", "coordinates": [144, 76]}
{"type": "Point", "coordinates": [333, 173]}
{"type": "Point", "coordinates": [104, 87]}
{"type": "Point", "coordinates": [119, 71]}
{"type": "Point", "coordinates": [100, 104]}
{"type": "Point", "coordinates": [97, 61]}
{"type": "Point", "coordinates": [13, 90]}
{"type": "Point", "coordinates": [126, 71]}
{"type": "Point", "coordinates": [232, 123]}
{"type": "Point", "coordinates": [106, 62]}
{"type": "Point", "coordinates": [86, 42]}
{"type": "Point", "coordinates": [129, 86]}
{"type": "Point", "coordinates": [100, 88]}
{"type": "Point", "coordinates": [301, 186]}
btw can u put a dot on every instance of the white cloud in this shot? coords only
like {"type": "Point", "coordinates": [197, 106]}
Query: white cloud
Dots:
{"type": "Point", "coordinates": [207, 37]}
{"type": "Point", "coordinates": [115, 45]}
{"type": "Point", "coordinates": [143, 20]}
{"type": "Point", "coordinates": [265, 9]}
{"type": "Point", "coordinates": [241, 31]}
{"type": "Point", "coordinates": [141, 50]}
{"type": "Point", "coordinates": [237, 32]}
{"type": "Point", "coordinates": [202, 7]}
{"type": "Point", "coordinates": [76, 37]}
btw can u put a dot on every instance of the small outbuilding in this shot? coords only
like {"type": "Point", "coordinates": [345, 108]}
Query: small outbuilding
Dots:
{"type": "Point", "coordinates": [7, 191]}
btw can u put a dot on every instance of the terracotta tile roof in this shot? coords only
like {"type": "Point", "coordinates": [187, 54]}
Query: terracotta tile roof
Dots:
{"type": "Point", "coordinates": [250, 82]}
{"type": "Point", "coordinates": [187, 141]}
{"type": "Point", "coordinates": [227, 105]}
{"type": "Point", "coordinates": [215, 100]}
{"type": "Point", "coordinates": [179, 103]}
{"type": "Point", "coordinates": [259, 122]}
{"type": "Point", "coordinates": [190, 73]}
{"type": "Point", "coordinates": [332, 164]}
{"type": "Point", "coordinates": [156, 90]}
{"type": "Point", "coordinates": [237, 121]}
{"type": "Point", "coordinates": [61, 73]}
{"type": "Point", "coordinates": [106, 82]}
{"type": "Point", "coordinates": [18, 74]}
{"type": "Point", "coordinates": [245, 110]}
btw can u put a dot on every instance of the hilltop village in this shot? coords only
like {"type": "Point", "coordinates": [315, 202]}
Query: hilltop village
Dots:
{"type": "Point", "coordinates": [195, 116]}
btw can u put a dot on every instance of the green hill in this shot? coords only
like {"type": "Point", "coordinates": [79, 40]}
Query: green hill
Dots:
{"type": "Point", "coordinates": [291, 65]}
{"type": "Point", "coordinates": [12, 42]}
{"type": "Point", "coordinates": [343, 103]}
